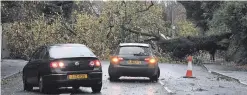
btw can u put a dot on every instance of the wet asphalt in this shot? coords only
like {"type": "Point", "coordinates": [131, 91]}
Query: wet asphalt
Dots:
{"type": "Point", "coordinates": [171, 82]}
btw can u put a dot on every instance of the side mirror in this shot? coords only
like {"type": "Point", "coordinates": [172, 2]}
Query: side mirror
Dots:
{"type": "Point", "coordinates": [27, 59]}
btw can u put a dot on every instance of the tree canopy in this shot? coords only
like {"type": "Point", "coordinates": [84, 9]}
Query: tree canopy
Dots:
{"type": "Point", "coordinates": [223, 17]}
{"type": "Point", "coordinates": [103, 25]}
{"type": "Point", "coordinates": [101, 30]}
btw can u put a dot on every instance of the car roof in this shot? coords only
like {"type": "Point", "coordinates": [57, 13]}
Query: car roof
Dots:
{"type": "Point", "coordinates": [134, 44]}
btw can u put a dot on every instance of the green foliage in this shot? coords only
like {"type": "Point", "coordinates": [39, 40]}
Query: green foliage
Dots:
{"type": "Point", "coordinates": [102, 34]}
{"type": "Point", "coordinates": [163, 59]}
{"type": "Point", "coordinates": [93, 33]}
{"type": "Point", "coordinates": [223, 19]}
{"type": "Point", "coordinates": [186, 28]}
{"type": "Point", "coordinates": [24, 37]}
{"type": "Point", "coordinates": [200, 12]}
{"type": "Point", "coordinates": [231, 17]}
{"type": "Point", "coordinates": [131, 14]}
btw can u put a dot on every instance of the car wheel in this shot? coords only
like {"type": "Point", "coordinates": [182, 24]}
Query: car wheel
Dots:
{"type": "Point", "coordinates": [96, 88]}
{"type": "Point", "coordinates": [43, 88]}
{"type": "Point", "coordinates": [26, 86]}
{"type": "Point", "coordinates": [76, 87]}
{"type": "Point", "coordinates": [113, 78]}
{"type": "Point", "coordinates": [155, 77]}
{"type": "Point", "coordinates": [158, 72]}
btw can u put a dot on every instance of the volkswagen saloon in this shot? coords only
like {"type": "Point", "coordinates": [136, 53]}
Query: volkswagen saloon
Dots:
{"type": "Point", "coordinates": [62, 65]}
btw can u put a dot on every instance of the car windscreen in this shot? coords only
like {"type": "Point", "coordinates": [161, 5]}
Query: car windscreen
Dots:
{"type": "Point", "coordinates": [70, 51]}
{"type": "Point", "coordinates": [134, 50]}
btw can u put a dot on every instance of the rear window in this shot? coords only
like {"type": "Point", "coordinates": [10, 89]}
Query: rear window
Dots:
{"type": "Point", "coordinates": [134, 50]}
{"type": "Point", "coordinates": [70, 51]}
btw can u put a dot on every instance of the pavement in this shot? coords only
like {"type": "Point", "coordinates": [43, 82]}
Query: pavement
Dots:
{"type": "Point", "coordinates": [204, 83]}
{"type": "Point", "coordinates": [171, 82]}
{"type": "Point", "coordinates": [227, 71]}
{"type": "Point", "coordinates": [10, 67]}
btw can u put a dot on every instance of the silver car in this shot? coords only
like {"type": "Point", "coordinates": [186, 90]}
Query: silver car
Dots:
{"type": "Point", "coordinates": [134, 60]}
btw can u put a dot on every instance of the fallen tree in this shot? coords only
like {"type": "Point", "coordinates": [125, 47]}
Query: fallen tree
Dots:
{"type": "Point", "coordinates": [181, 47]}
{"type": "Point", "coordinates": [219, 17]}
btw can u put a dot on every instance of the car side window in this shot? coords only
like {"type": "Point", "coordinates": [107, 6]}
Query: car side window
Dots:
{"type": "Point", "coordinates": [35, 55]}
{"type": "Point", "coordinates": [44, 54]}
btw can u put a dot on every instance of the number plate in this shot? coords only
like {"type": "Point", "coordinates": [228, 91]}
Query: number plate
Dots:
{"type": "Point", "coordinates": [134, 62]}
{"type": "Point", "coordinates": [78, 76]}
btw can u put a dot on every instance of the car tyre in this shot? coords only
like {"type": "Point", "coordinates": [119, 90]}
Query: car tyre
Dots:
{"type": "Point", "coordinates": [76, 87]}
{"type": "Point", "coordinates": [96, 88]}
{"type": "Point", "coordinates": [26, 86]}
{"type": "Point", "coordinates": [43, 88]}
{"type": "Point", "coordinates": [155, 77]}
{"type": "Point", "coordinates": [158, 72]}
{"type": "Point", "coordinates": [113, 78]}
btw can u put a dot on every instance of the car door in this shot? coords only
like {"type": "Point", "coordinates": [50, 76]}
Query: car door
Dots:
{"type": "Point", "coordinates": [38, 65]}
{"type": "Point", "coordinates": [32, 67]}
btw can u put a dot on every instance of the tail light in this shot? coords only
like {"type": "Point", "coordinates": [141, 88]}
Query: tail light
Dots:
{"type": "Point", "coordinates": [95, 63]}
{"type": "Point", "coordinates": [151, 60]}
{"type": "Point", "coordinates": [57, 64]}
{"type": "Point", "coordinates": [116, 59]}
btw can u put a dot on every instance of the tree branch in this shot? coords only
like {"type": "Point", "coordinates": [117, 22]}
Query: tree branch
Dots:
{"type": "Point", "coordinates": [129, 16]}
{"type": "Point", "coordinates": [91, 6]}
{"type": "Point", "coordinates": [136, 32]}
{"type": "Point", "coordinates": [151, 39]}
{"type": "Point", "coordinates": [146, 8]}
{"type": "Point", "coordinates": [69, 28]}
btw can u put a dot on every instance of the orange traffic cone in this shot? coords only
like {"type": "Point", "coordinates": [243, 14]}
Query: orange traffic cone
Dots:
{"type": "Point", "coordinates": [189, 70]}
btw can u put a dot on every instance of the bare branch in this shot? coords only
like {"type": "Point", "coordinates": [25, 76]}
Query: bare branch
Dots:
{"type": "Point", "coordinates": [137, 32]}
{"type": "Point", "coordinates": [123, 2]}
{"type": "Point", "coordinates": [146, 8]}
{"type": "Point", "coordinates": [151, 39]}
{"type": "Point", "coordinates": [129, 16]}
{"type": "Point", "coordinates": [69, 28]}
{"type": "Point", "coordinates": [92, 7]}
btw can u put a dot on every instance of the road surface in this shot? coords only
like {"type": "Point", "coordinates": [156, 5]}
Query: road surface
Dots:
{"type": "Point", "coordinates": [170, 82]}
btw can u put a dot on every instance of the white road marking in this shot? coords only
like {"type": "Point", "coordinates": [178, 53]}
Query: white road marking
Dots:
{"type": "Point", "coordinates": [166, 88]}
{"type": "Point", "coordinates": [65, 94]}
{"type": "Point", "coordinates": [161, 83]}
